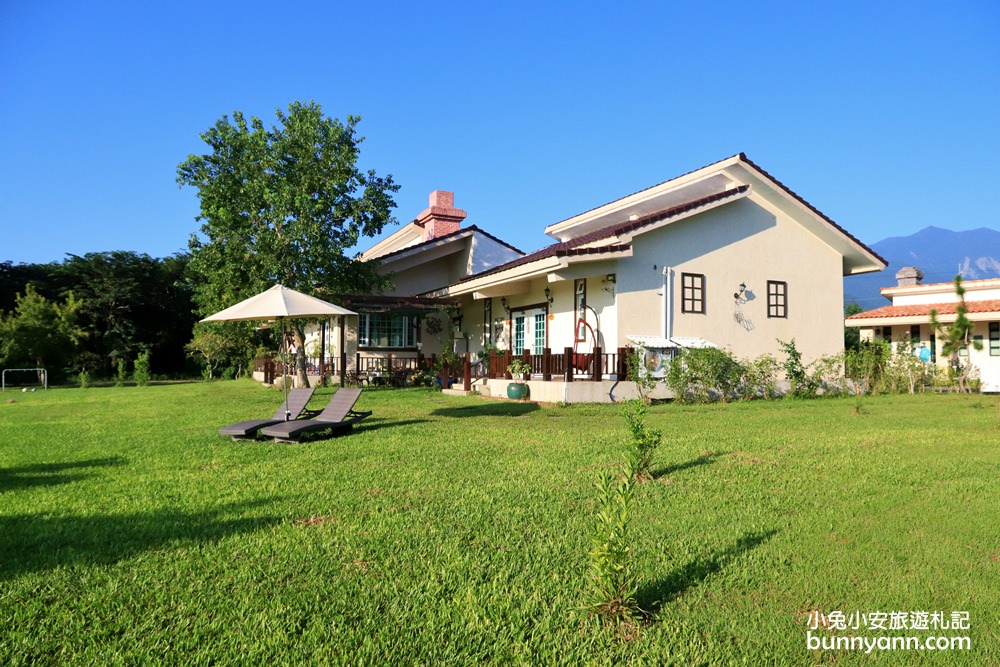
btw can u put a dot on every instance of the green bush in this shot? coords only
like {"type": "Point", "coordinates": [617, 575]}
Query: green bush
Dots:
{"type": "Point", "coordinates": [801, 383]}
{"type": "Point", "coordinates": [704, 373]}
{"type": "Point", "coordinates": [140, 372]}
{"type": "Point", "coordinates": [760, 378]}
{"type": "Point", "coordinates": [612, 582]}
{"type": "Point", "coordinates": [643, 442]}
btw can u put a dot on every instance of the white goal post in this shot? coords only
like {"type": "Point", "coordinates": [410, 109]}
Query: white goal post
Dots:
{"type": "Point", "coordinates": [38, 371]}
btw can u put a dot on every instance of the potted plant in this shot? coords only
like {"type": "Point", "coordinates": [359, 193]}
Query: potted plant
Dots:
{"type": "Point", "coordinates": [518, 369]}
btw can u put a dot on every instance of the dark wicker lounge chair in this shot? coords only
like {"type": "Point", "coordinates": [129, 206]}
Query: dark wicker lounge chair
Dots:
{"type": "Point", "coordinates": [339, 416]}
{"type": "Point", "coordinates": [297, 401]}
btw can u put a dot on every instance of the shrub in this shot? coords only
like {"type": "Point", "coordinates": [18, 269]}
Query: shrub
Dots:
{"type": "Point", "coordinates": [122, 372]}
{"type": "Point", "coordinates": [644, 381]}
{"type": "Point", "coordinates": [83, 377]}
{"type": "Point", "coordinates": [643, 442]}
{"type": "Point", "coordinates": [140, 371]}
{"type": "Point", "coordinates": [612, 583]}
{"type": "Point", "coordinates": [801, 384]}
{"type": "Point", "coordinates": [760, 378]}
{"type": "Point", "coordinates": [702, 372]}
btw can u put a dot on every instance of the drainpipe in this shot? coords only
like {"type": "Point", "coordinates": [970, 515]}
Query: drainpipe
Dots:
{"type": "Point", "coordinates": [668, 302]}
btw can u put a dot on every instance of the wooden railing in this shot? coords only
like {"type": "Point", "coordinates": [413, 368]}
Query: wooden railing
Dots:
{"type": "Point", "coordinates": [565, 365]}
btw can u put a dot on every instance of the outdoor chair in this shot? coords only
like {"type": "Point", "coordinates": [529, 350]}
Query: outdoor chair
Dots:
{"type": "Point", "coordinates": [297, 401]}
{"type": "Point", "coordinates": [339, 416]}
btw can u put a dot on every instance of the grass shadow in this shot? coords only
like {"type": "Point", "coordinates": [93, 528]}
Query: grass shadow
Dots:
{"type": "Point", "coordinates": [36, 542]}
{"type": "Point", "coordinates": [654, 595]}
{"type": "Point", "coordinates": [704, 459]}
{"type": "Point", "coordinates": [52, 474]}
{"type": "Point", "coordinates": [488, 409]}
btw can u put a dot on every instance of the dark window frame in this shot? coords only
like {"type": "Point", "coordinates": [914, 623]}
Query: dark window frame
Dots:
{"type": "Point", "coordinates": [777, 299]}
{"type": "Point", "coordinates": [693, 293]}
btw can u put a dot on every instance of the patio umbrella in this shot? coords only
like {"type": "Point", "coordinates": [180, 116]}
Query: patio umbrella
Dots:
{"type": "Point", "coordinates": [278, 303]}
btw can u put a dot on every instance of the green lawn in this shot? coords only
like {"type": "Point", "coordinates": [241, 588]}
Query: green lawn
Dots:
{"type": "Point", "coordinates": [453, 530]}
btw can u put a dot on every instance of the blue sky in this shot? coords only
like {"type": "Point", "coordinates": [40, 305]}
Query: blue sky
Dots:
{"type": "Point", "coordinates": [884, 115]}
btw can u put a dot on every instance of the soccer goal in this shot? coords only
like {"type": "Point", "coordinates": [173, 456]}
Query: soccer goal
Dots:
{"type": "Point", "coordinates": [40, 376]}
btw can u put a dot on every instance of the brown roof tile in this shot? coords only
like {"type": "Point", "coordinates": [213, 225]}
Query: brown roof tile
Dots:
{"type": "Point", "coordinates": [572, 247]}
{"type": "Point", "coordinates": [924, 309]}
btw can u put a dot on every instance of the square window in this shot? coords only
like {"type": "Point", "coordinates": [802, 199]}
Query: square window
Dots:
{"type": "Point", "coordinates": [777, 298]}
{"type": "Point", "coordinates": [692, 293]}
{"type": "Point", "coordinates": [995, 339]}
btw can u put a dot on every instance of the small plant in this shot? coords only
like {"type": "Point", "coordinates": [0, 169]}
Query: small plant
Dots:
{"type": "Point", "coordinates": [141, 369]}
{"type": "Point", "coordinates": [83, 377]}
{"type": "Point", "coordinates": [801, 384]}
{"type": "Point", "coordinates": [122, 372]}
{"type": "Point", "coordinates": [760, 378]}
{"type": "Point", "coordinates": [612, 583]}
{"type": "Point", "coordinates": [644, 381]}
{"type": "Point", "coordinates": [643, 443]}
{"type": "Point", "coordinates": [518, 368]}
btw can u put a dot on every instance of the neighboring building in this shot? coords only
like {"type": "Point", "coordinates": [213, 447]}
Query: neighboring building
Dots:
{"type": "Point", "coordinates": [909, 318]}
{"type": "Point", "coordinates": [725, 255]}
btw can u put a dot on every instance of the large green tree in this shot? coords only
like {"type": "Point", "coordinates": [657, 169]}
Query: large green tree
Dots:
{"type": "Point", "coordinates": [282, 205]}
{"type": "Point", "coordinates": [40, 332]}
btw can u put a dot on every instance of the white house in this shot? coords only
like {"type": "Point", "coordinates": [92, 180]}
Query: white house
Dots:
{"type": "Point", "coordinates": [909, 317]}
{"type": "Point", "coordinates": [725, 255]}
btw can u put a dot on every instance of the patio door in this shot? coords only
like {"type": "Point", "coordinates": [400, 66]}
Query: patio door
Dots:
{"type": "Point", "coordinates": [529, 330]}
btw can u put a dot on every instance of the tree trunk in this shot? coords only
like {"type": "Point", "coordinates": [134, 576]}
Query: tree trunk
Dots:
{"type": "Point", "coordinates": [298, 333]}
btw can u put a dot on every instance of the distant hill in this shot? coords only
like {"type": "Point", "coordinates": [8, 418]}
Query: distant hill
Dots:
{"type": "Point", "coordinates": [939, 253]}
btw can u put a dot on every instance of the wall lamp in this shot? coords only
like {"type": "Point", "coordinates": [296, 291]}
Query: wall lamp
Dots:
{"type": "Point", "coordinates": [739, 294]}
{"type": "Point", "coordinates": [548, 295]}
{"type": "Point", "coordinates": [503, 304]}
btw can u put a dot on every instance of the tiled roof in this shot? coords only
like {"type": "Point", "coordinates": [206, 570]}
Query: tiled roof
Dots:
{"type": "Point", "coordinates": [572, 247]}
{"type": "Point", "coordinates": [924, 309]}
{"type": "Point", "coordinates": [455, 234]}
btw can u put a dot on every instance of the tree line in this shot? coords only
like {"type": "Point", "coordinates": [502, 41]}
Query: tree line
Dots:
{"type": "Point", "coordinates": [92, 312]}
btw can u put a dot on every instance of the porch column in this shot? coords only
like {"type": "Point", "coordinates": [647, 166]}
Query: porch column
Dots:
{"type": "Point", "coordinates": [598, 363]}
{"type": "Point", "coordinates": [547, 364]}
{"type": "Point", "coordinates": [568, 363]}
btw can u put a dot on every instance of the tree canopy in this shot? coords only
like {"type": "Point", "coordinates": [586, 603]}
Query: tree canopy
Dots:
{"type": "Point", "coordinates": [282, 205]}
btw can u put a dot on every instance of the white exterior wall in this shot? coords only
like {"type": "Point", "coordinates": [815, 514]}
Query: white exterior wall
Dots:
{"type": "Point", "coordinates": [750, 242]}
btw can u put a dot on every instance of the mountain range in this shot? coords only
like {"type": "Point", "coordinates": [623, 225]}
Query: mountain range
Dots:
{"type": "Point", "coordinates": [940, 253]}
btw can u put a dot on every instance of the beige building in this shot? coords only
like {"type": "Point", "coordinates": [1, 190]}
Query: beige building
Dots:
{"type": "Point", "coordinates": [909, 318]}
{"type": "Point", "coordinates": [725, 255]}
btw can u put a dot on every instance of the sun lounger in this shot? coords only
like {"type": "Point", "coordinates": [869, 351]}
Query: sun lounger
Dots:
{"type": "Point", "coordinates": [297, 401]}
{"type": "Point", "coordinates": [338, 416]}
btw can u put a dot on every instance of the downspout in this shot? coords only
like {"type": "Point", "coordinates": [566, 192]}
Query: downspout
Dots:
{"type": "Point", "coordinates": [668, 302]}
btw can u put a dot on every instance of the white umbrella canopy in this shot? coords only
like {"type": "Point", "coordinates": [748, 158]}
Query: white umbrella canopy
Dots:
{"type": "Point", "coordinates": [278, 303]}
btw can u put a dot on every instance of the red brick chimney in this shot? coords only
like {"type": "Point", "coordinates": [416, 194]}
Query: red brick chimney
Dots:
{"type": "Point", "coordinates": [441, 217]}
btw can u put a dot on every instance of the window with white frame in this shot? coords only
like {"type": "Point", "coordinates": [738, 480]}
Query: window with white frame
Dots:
{"type": "Point", "coordinates": [388, 331]}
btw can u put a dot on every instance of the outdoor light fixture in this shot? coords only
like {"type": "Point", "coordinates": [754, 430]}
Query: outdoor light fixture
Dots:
{"type": "Point", "coordinates": [503, 303]}
{"type": "Point", "coordinates": [548, 295]}
{"type": "Point", "coordinates": [739, 294]}
{"type": "Point", "coordinates": [608, 284]}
